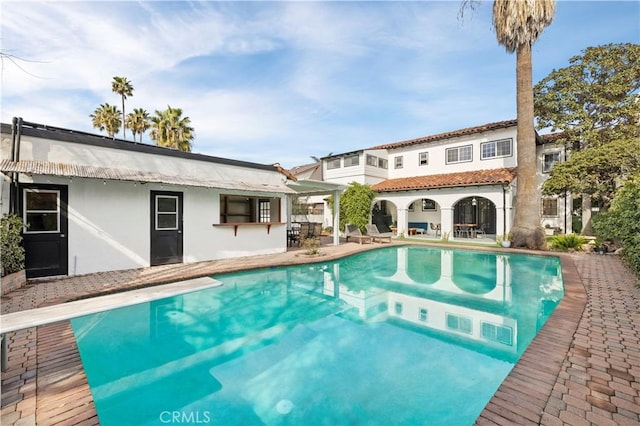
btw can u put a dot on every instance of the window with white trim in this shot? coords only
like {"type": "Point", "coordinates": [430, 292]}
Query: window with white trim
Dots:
{"type": "Point", "coordinates": [423, 159]}
{"type": "Point", "coordinates": [166, 212]}
{"type": "Point", "coordinates": [497, 333]}
{"type": "Point", "coordinates": [423, 314]}
{"type": "Point", "coordinates": [549, 159]}
{"type": "Point", "coordinates": [382, 163]}
{"type": "Point", "coordinates": [397, 162]}
{"type": "Point", "coordinates": [459, 323]}
{"type": "Point", "coordinates": [550, 207]}
{"type": "Point", "coordinates": [264, 210]}
{"type": "Point", "coordinates": [41, 211]}
{"type": "Point", "coordinates": [372, 160]}
{"type": "Point", "coordinates": [351, 160]}
{"type": "Point", "coordinates": [333, 163]}
{"type": "Point", "coordinates": [459, 154]}
{"type": "Point", "coordinates": [496, 149]}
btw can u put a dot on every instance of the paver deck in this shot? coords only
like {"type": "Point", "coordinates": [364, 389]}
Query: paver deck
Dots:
{"type": "Point", "coordinates": [583, 368]}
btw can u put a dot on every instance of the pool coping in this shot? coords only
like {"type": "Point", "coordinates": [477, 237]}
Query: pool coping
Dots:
{"type": "Point", "coordinates": [521, 398]}
{"type": "Point", "coordinates": [523, 395]}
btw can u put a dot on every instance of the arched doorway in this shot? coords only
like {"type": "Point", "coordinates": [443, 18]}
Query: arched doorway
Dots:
{"type": "Point", "coordinates": [382, 215]}
{"type": "Point", "coordinates": [478, 210]}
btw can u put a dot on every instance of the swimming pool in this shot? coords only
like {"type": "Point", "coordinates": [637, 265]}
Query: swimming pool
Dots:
{"type": "Point", "coordinates": [398, 335]}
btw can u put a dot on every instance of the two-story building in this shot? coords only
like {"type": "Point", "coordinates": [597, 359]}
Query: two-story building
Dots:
{"type": "Point", "coordinates": [438, 184]}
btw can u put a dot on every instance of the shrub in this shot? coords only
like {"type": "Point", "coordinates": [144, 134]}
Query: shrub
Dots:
{"type": "Point", "coordinates": [311, 246]}
{"type": "Point", "coordinates": [12, 252]}
{"type": "Point", "coordinates": [567, 241]}
{"type": "Point", "coordinates": [622, 222]}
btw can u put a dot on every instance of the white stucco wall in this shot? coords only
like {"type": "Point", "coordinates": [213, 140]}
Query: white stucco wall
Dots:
{"type": "Point", "coordinates": [109, 221]}
{"type": "Point", "coordinates": [437, 155]}
{"type": "Point", "coordinates": [109, 226]}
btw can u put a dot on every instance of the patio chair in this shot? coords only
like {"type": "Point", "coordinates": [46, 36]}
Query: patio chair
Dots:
{"type": "Point", "coordinates": [305, 230]}
{"type": "Point", "coordinates": [481, 231]}
{"type": "Point", "coordinates": [293, 236]}
{"type": "Point", "coordinates": [353, 231]}
{"type": "Point", "coordinates": [436, 228]}
{"type": "Point", "coordinates": [372, 231]}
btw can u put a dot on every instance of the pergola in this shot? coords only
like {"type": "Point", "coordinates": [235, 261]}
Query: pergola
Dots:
{"type": "Point", "coordinates": [317, 187]}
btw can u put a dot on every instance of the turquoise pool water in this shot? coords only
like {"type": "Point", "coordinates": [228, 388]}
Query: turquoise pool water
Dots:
{"type": "Point", "coordinates": [399, 335]}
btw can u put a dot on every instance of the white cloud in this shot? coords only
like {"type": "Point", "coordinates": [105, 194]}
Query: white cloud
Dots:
{"type": "Point", "coordinates": [281, 81]}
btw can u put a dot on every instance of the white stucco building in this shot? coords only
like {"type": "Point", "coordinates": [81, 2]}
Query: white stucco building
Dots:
{"type": "Point", "coordinates": [465, 176]}
{"type": "Point", "coordinates": [93, 203]}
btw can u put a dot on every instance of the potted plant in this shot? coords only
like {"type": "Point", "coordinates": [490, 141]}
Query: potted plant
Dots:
{"type": "Point", "coordinates": [11, 253]}
{"type": "Point", "coordinates": [548, 230]}
{"type": "Point", "coordinates": [505, 241]}
{"type": "Point", "coordinates": [599, 246]}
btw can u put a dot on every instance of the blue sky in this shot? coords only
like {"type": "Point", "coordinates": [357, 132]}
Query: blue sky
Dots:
{"type": "Point", "coordinates": [283, 81]}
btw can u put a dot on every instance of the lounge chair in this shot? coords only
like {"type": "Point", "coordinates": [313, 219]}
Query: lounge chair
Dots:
{"type": "Point", "coordinates": [353, 231]}
{"type": "Point", "coordinates": [435, 228]}
{"type": "Point", "coordinates": [372, 231]}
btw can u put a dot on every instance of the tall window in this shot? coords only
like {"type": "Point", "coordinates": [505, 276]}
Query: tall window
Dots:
{"type": "Point", "coordinates": [352, 160]}
{"type": "Point", "coordinates": [495, 149]}
{"type": "Point", "coordinates": [549, 207]}
{"type": "Point", "coordinates": [397, 162]}
{"type": "Point", "coordinates": [382, 163]}
{"type": "Point", "coordinates": [460, 154]}
{"type": "Point", "coordinates": [423, 158]}
{"type": "Point", "coordinates": [264, 211]}
{"type": "Point", "coordinates": [548, 160]}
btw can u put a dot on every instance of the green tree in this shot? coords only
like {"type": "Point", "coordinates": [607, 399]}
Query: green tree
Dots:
{"type": "Point", "coordinates": [106, 117]}
{"type": "Point", "coordinates": [139, 122]}
{"type": "Point", "coordinates": [622, 222]}
{"type": "Point", "coordinates": [518, 24]}
{"type": "Point", "coordinates": [171, 130]}
{"type": "Point", "coordinates": [355, 205]}
{"type": "Point", "coordinates": [597, 171]}
{"type": "Point", "coordinates": [593, 101]}
{"type": "Point", "coordinates": [124, 88]}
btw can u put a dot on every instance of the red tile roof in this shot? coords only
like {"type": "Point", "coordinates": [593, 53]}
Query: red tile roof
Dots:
{"type": "Point", "coordinates": [478, 177]}
{"type": "Point", "coordinates": [447, 135]}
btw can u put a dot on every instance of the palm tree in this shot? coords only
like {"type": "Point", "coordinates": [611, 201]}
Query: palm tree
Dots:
{"type": "Point", "coordinates": [518, 25]}
{"type": "Point", "coordinates": [106, 117]}
{"type": "Point", "coordinates": [124, 88]}
{"type": "Point", "coordinates": [139, 122]}
{"type": "Point", "coordinates": [171, 130]}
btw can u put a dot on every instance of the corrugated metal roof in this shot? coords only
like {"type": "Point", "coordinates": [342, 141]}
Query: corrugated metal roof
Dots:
{"type": "Point", "coordinates": [92, 172]}
{"type": "Point", "coordinates": [478, 177]}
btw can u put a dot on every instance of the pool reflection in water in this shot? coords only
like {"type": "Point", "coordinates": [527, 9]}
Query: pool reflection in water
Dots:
{"type": "Point", "coordinates": [400, 335]}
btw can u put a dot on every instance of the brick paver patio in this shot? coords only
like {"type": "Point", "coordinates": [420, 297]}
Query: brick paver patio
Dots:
{"type": "Point", "coordinates": [582, 368]}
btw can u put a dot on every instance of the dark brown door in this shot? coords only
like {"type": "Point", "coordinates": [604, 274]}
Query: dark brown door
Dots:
{"type": "Point", "coordinates": [44, 211]}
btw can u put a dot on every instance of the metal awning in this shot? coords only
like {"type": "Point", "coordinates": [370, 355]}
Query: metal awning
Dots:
{"type": "Point", "coordinates": [315, 187]}
{"type": "Point", "coordinates": [108, 173]}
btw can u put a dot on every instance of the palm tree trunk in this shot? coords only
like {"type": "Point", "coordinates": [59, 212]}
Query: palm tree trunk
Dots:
{"type": "Point", "coordinates": [124, 126]}
{"type": "Point", "coordinates": [527, 218]}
